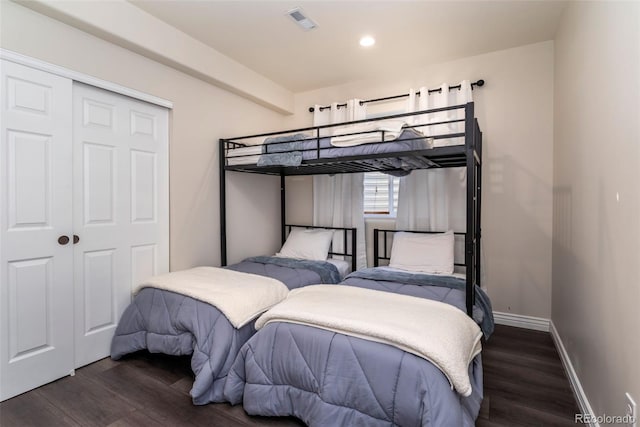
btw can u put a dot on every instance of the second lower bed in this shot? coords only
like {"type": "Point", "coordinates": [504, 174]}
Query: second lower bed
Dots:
{"type": "Point", "coordinates": [162, 321]}
{"type": "Point", "coordinates": [331, 379]}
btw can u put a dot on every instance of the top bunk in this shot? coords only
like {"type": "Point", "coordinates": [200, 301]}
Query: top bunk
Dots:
{"type": "Point", "coordinates": [396, 144]}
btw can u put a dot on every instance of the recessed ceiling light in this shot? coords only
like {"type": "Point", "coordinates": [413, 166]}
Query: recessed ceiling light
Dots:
{"type": "Point", "coordinates": [367, 41]}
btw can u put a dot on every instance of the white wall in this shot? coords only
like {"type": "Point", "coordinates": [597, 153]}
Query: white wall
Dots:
{"type": "Point", "coordinates": [515, 111]}
{"type": "Point", "coordinates": [596, 251]}
{"type": "Point", "coordinates": [202, 113]}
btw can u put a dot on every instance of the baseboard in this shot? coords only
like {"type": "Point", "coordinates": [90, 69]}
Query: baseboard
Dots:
{"type": "Point", "coordinates": [520, 321]}
{"type": "Point", "coordinates": [576, 386]}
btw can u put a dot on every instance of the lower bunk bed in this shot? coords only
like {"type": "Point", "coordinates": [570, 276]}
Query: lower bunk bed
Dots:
{"type": "Point", "coordinates": [384, 347]}
{"type": "Point", "coordinates": [209, 312]}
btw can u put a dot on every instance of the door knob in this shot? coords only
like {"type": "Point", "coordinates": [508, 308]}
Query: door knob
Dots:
{"type": "Point", "coordinates": [76, 239]}
{"type": "Point", "coordinates": [63, 240]}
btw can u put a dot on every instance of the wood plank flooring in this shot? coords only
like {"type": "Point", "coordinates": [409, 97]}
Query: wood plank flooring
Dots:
{"type": "Point", "coordinates": [524, 381]}
{"type": "Point", "coordinates": [524, 385]}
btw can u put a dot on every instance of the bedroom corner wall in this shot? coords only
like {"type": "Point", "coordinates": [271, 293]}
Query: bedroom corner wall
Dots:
{"type": "Point", "coordinates": [596, 224]}
{"type": "Point", "coordinates": [515, 111]}
{"type": "Point", "coordinates": [202, 113]}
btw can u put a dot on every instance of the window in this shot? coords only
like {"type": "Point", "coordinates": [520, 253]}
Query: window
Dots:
{"type": "Point", "coordinates": [380, 194]}
{"type": "Point", "coordinates": [381, 190]}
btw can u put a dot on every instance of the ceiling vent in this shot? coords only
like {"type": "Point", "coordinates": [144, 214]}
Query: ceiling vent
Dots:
{"type": "Point", "coordinates": [299, 18]}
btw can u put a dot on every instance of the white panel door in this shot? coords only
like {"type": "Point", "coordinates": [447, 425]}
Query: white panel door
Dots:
{"type": "Point", "coordinates": [36, 275]}
{"type": "Point", "coordinates": [120, 209]}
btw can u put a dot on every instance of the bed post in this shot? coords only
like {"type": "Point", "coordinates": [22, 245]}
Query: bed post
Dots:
{"type": "Point", "coordinates": [376, 247]}
{"type": "Point", "coordinates": [283, 208]}
{"type": "Point", "coordinates": [223, 205]}
{"type": "Point", "coordinates": [470, 235]}
{"type": "Point", "coordinates": [354, 249]}
{"type": "Point", "coordinates": [478, 207]}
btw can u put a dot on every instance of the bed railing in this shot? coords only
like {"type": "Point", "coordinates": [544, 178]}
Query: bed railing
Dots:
{"type": "Point", "coordinates": [318, 158]}
{"type": "Point", "coordinates": [355, 122]}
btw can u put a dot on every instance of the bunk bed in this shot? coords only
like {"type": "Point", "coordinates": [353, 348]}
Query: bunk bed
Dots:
{"type": "Point", "coordinates": [407, 149]}
{"type": "Point", "coordinates": [210, 312]}
{"type": "Point", "coordinates": [324, 376]}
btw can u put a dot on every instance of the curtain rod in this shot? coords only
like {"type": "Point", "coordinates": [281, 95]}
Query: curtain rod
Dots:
{"type": "Point", "coordinates": [479, 83]}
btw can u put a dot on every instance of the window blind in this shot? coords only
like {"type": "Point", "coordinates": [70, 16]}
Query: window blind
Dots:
{"type": "Point", "coordinates": [380, 193]}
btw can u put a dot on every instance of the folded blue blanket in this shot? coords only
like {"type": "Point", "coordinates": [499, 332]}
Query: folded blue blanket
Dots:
{"type": "Point", "coordinates": [286, 143]}
{"type": "Point", "coordinates": [293, 158]}
{"type": "Point", "coordinates": [328, 272]}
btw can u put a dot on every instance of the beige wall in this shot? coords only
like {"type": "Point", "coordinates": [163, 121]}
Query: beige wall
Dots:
{"type": "Point", "coordinates": [515, 111]}
{"type": "Point", "coordinates": [147, 35]}
{"type": "Point", "coordinates": [596, 251]}
{"type": "Point", "coordinates": [202, 113]}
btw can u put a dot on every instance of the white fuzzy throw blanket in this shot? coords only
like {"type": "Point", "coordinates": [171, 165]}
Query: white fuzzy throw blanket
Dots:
{"type": "Point", "coordinates": [435, 331]}
{"type": "Point", "coordinates": [239, 296]}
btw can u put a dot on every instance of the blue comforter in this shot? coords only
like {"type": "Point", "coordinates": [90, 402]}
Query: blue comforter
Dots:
{"type": "Point", "coordinates": [165, 322]}
{"type": "Point", "coordinates": [329, 379]}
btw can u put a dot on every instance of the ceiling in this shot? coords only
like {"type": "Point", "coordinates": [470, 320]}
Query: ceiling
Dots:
{"type": "Point", "coordinates": [408, 34]}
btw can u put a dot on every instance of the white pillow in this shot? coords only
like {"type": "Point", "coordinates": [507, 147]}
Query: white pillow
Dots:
{"type": "Point", "coordinates": [426, 253]}
{"type": "Point", "coordinates": [302, 243]}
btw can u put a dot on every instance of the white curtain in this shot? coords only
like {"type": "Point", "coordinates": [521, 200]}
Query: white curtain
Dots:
{"type": "Point", "coordinates": [434, 199]}
{"type": "Point", "coordinates": [338, 200]}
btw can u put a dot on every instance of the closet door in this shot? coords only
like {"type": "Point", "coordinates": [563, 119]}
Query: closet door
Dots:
{"type": "Point", "coordinates": [120, 209]}
{"type": "Point", "coordinates": [36, 278]}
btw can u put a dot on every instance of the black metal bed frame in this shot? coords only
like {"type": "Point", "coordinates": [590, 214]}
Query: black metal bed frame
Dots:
{"type": "Point", "coordinates": [468, 155]}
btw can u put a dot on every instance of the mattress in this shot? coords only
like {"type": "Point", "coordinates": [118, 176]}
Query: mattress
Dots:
{"type": "Point", "coordinates": [408, 140]}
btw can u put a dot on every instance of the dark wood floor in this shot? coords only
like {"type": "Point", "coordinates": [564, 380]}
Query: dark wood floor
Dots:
{"type": "Point", "coordinates": [525, 385]}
